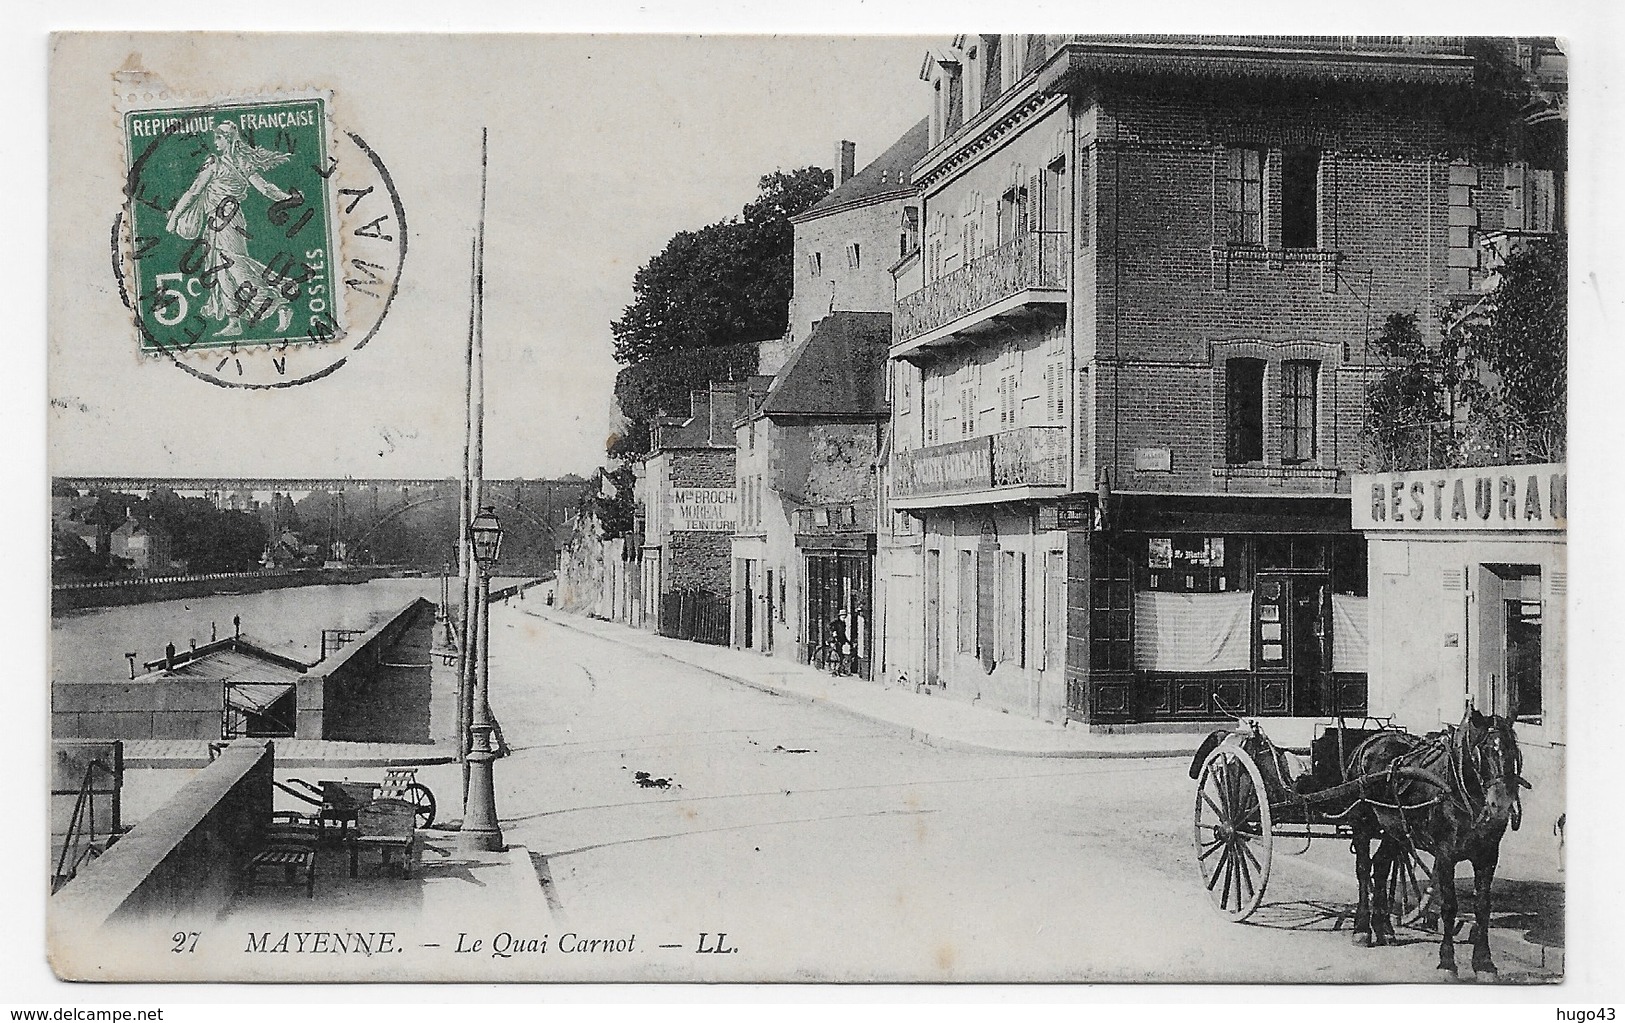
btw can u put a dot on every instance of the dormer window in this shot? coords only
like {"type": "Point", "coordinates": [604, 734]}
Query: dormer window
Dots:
{"type": "Point", "coordinates": [992, 70]}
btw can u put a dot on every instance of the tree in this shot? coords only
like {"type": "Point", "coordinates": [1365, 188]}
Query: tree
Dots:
{"type": "Point", "coordinates": [1520, 336]}
{"type": "Point", "coordinates": [72, 557]}
{"type": "Point", "coordinates": [725, 283]}
{"type": "Point", "coordinates": [661, 385]}
{"type": "Point", "coordinates": [1495, 389]}
{"type": "Point", "coordinates": [1405, 400]}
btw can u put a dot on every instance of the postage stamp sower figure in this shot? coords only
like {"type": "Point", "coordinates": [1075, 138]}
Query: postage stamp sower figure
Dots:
{"type": "Point", "coordinates": [231, 225]}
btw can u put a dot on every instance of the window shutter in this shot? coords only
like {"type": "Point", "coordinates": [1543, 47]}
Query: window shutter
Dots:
{"type": "Point", "coordinates": [1035, 198]}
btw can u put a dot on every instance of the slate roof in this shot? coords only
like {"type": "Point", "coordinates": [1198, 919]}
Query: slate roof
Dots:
{"type": "Point", "coordinates": [888, 172]}
{"type": "Point", "coordinates": [840, 370]}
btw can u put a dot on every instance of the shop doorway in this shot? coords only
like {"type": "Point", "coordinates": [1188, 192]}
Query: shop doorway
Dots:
{"type": "Point", "coordinates": [749, 608]}
{"type": "Point", "coordinates": [1291, 617]}
{"type": "Point", "coordinates": [767, 618]}
{"type": "Point", "coordinates": [839, 611]}
{"type": "Point", "coordinates": [1523, 660]}
{"type": "Point", "coordinates": [933, 618]}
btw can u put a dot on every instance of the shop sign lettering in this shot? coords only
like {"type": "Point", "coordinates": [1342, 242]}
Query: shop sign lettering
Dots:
{"type": "Point", "coordinates": [954, 468]}
{"type": "Point", "coordinates": [1500, 497]}
{"type": "Point", "coordinates": [704, 509]}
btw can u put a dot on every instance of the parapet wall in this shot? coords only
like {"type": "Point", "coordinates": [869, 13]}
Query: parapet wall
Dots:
{"type": "Point", "coordinates": [181, 862]}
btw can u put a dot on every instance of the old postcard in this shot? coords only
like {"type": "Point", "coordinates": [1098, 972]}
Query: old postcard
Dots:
{"type": "Point", "coordinates": [964, 508]}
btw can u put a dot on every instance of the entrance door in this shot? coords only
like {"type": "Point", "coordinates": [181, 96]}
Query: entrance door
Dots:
{"type": "Point", "coordinates": [1523, 660]}
{"type": "Point", "coordinates": [1052, 659]}
{"type": "Point", "coordinates": [933, 617]}
{"type": "Point", "coordinates": [767, 618]}
{"type": "Point", "coordinates": [749, 605]}
{"type": "Point", "coordinates": [1293, 640]}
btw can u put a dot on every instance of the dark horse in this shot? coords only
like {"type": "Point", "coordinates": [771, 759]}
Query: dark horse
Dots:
{"type": "Point", "coordinates": [1451, 794]}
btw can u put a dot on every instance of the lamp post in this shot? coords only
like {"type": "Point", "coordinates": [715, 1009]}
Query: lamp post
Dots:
{"type": "Point", "coordinates": [480, 831]}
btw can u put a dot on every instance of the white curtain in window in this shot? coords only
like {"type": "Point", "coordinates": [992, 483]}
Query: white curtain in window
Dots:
{"type": "Point", "coordinates": [1350, 633]}
{"type": "Point", "coordinates": [1193, 631]}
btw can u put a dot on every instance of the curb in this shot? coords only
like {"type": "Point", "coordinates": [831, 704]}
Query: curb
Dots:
{"type": "Point", "coordinates": [906, 731]}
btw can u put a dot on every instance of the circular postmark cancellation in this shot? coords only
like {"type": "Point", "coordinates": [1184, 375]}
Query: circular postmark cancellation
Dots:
{"type": "Point", "coordinates": [256, 248]}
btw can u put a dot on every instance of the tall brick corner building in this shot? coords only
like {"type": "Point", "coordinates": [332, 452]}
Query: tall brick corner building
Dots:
{"type": "Point", "coordinates": [1130, 359]}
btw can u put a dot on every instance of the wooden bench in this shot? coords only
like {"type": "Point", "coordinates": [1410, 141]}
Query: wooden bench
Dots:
{"type": "Point", "coordinates": [388, 825]}
{"type": "Point", "coordinates": [293, 861]}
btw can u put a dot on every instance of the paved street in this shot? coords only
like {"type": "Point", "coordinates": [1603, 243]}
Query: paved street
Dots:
{"type": "Point", "coordinates": [827, 847]}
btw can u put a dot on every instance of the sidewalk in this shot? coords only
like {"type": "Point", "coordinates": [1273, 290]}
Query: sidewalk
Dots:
{"type": "Point", "coordinates": [934, 720]}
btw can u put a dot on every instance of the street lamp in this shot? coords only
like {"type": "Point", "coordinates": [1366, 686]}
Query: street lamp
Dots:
{"type": "Point", "coordinates": [485, 534]}
{"type": "Point", "coordinates": [480, 831]}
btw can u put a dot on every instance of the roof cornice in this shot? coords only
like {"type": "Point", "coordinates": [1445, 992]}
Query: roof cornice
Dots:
{"type": "Point", "coordinates": [905, 192]}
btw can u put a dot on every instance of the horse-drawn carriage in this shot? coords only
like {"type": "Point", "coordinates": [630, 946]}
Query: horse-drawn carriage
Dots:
{"type": "Point", "coordinates": [1432, 801]}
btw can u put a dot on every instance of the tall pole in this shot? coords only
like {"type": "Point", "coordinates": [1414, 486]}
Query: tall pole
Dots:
{"type": "Point", "coordinates": [476, 473]}
{"type": "Point", "coordinates": [465, 512]}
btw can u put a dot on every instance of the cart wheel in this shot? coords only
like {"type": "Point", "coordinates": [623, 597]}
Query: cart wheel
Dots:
{"type": "Point", "coordinates": [1412, 896]}
{"type": "Point", "coordinates": [1233, 833]}
{"type": "Point", "coordinates": [422, 801]}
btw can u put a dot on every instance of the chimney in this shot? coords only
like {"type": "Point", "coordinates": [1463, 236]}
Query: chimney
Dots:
{"type": "Point", "coordinates": [845, 162]}
{"type": "Point", "coordinates": [169, 657]}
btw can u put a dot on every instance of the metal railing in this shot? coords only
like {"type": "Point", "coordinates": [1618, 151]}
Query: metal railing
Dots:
{"type": "Point", "coordinates": [1038, 259]}
{"type": "Point", "coordinates": [1446, 445]}
{"type": "Point", "coordinates": [334, 640]}
{"type": "Point", "coordinates": [697, 615]}
{"type": "Point", "coordinates": [1033, 456]}
{"type": "Point", "coordinates": [79, 844]}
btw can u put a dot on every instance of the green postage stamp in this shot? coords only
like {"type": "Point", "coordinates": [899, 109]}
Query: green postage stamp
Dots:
{"type": "Point", "coordinates": [231, 225]}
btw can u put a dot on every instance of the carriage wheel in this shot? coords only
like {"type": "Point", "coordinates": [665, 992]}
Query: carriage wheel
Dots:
{"type": "Point", "coordinates": [1411, 891]}
{"type": "Point", "coordinates": [1233, 833]}
{"type": "Point", "coordinates": [422, 801]}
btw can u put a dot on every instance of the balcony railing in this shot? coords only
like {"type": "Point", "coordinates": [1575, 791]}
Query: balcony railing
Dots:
{"type": "Point", "coordinates": [1032, 456]}
{"type": "Point", "coordinates": [1029, 456]}
{"type": "Point", "coordinates": [1038, 260]}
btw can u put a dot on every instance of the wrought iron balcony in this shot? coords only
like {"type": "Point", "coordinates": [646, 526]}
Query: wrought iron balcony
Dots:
{"type": "Point", "coordinates": [1029, 456]}
{"type": "Point", "coordinates": [1029, 271]}
{"type": "Point", "coordinates": [1032, 456]}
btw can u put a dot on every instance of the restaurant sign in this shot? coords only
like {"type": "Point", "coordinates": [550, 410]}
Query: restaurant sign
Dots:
{"type": "Point", "coordinates": [704, 509]}
{"type": "Point", "coordinates": [1493, 497]}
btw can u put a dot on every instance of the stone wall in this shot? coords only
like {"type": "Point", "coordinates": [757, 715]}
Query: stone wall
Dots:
{"type": "Point", "coordinates": [180, 864]}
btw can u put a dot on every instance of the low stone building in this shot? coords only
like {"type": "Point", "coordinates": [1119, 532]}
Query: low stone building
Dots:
{"type": "Point", "coordinates": [690, 507]}
{"type": "Point", "coordinates": [803, 554]}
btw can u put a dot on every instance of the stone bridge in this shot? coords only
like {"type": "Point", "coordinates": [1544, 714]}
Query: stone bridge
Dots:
{"type": "Point", "coordinates": [386, 521]}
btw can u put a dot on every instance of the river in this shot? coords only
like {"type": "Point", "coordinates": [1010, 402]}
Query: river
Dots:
{"type": "Point", "coordinates": [89, 645]}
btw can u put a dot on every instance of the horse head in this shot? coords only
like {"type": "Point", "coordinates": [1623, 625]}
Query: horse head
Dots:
{"type": "Point", "coordinates": [1490, 753]}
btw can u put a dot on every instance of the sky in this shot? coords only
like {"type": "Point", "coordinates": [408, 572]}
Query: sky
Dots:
{"type": "Point", "coordinates": [601, 148]}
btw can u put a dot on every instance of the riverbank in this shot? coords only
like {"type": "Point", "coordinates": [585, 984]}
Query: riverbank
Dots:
{"type": "Point", "coordinates": [115, 593]}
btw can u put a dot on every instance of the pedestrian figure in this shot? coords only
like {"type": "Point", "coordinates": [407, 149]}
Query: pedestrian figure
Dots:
{"type": "Point", "coordinates": [833, 658]}
{"type": "Point", "coordinates": [846, 649]}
